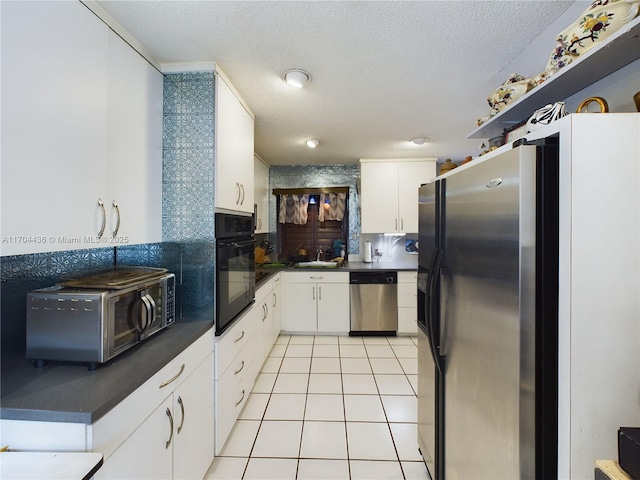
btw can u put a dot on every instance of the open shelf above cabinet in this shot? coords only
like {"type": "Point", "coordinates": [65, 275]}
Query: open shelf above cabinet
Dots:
{"type": "Point", "coordinates": [620, 49]}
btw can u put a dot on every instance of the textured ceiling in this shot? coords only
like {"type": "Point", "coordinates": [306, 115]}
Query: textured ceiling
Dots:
{"type": "Point", "coordinates": [383, 71]}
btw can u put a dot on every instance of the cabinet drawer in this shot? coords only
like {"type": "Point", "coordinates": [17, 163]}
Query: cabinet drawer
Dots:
{"type": "Point", "coordinates": [407, 294]}
{"type": "Point", "coordinates": [112, 429]}
{"type": "Point", "coordinates": [230, 406]}
{"type": "Point", "coordinates": [231, 378]}
{"type": "Point", "coordinates": [408, 320]}
{"type": "Point", "coordinates": [316, 277]}
{"type": "Point", "coordinates": [229, 344]}
{"type": "Point", "coordinates": [407, 277]}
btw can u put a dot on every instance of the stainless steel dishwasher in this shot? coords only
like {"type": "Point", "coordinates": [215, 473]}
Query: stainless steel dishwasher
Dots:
{"type": "Point", "coordinates": [374, 302]}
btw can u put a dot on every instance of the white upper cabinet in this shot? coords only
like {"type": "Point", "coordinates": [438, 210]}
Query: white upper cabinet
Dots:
{"type": "Point", "coordinates": [261, 195]}
{"type": "Point", "coordinates": [135, 146]}
{"type": "Point", "coordinates": [233, 150]}
{"type": "Point", "coordinates": [54, 125]}
{"type": "Point", "coordinates": [389, 193]}
{"type": "Point", "coordinates": [82, 129]}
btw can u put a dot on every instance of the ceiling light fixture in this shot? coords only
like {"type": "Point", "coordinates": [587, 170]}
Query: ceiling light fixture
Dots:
{"type": "Point", "coordinates": [419, 140]}
{"type": "Point", "coordinates": [313, 143]}
{"type": "Point", "coordinates": [296, 77]}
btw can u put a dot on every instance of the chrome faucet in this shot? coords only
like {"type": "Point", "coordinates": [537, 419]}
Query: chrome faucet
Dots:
{"type": "Point", "coordinates": [319, 254]}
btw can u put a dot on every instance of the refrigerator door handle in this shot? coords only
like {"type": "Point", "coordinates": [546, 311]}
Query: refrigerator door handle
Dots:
{"type": "Point", "coordinates": [426, 326]}
{"type": "Point", "coordinates": [435, 345]}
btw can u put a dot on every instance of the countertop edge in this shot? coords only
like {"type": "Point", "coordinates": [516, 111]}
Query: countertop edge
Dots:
{"type": "Point", "coordinates": [138, 365]}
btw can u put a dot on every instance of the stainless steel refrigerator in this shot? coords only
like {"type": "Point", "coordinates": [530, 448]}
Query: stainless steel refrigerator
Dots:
{"type": "Point", "coordinates": [487, 312]}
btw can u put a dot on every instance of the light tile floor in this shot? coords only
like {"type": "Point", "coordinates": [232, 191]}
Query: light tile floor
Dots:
{"type": "Point", "coordinates": [329, 407]}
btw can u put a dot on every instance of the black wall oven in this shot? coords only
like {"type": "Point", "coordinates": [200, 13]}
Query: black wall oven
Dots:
{"type": "Point", "coordinates": [235, 267]}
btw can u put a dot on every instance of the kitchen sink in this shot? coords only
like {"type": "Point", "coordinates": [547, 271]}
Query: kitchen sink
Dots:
{"type": "Point", "coordinates": [317, 263]}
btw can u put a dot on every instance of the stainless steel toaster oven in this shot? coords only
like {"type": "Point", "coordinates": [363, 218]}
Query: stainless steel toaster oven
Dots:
{"type": "Point", "coordinates": [94, 322]}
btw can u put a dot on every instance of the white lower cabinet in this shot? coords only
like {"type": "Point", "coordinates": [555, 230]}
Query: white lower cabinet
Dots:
{"type": "Point", "coordinates": [407, 303]}
{"type": "Point", "coordinates": [240, 353]}
{"type": "Point", "coordinates": [316, 302]}
{"type": "Point", "coordinates": [276, 296]}
{"type": "Point", "coordinates": [176, 439]}
{"type": "Point", "coordinates": [146, 454]}
{"type": "Point", "coordinates": [193, 418]}
{"type": "Point", "coordinates": [163, 430]}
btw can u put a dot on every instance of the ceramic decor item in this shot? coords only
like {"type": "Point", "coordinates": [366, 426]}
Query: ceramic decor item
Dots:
{"type": "Point", "coordinates": [448, 165]}
{"type": "Point", "coordinates": [595, 24]}
{"type": "Point", "coordinates": [513, 88]}
{"type": "Point", "coordinates": [545, 115]}
{"type": "Point", "coordinates": [601, 102]}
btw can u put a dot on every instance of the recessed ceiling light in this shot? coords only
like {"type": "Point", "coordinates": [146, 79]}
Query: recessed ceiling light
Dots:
{"type": "Point", "coordinates": [419, 140]}
{"type": "Point", "coordinates": [313, 143]}
{"type": "Point", "coordinates": [296, 77]}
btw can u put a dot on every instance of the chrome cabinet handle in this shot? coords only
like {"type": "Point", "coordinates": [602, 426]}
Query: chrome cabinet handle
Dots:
{"type": "Point", "coordinates": [181, 403]}
{"type": "Point", "coordinates": [115, 230]}
{"type": "Point", "coordinates": [104, 218]}
{"type": "Point", "coordinates": [240, 401]}
{"type": "Point", "coordinates": [316, 278]}
{"type": "Point", "coordinates": [239, 338]}
{"type": "Point", "coordinates": [164, 384]}
{"type": "Point", "coordinates": [275, 300]}
{"type": "Point", "coordinates": [314, 292]}
{"type": "Point", "coordinates": [242, 201]}
{"type": "Point", "coordinates": [396, 224]}
{"type": "Point", "coordinates": [402, 224]}
{"type": "Point", "coordinates": [238, 195]}
{"type": "Point", "coordinates": [171, 422]}
{"type": "Point", "coordinates": [240, 369]}
{"type": "Point", "coordinates": [319, 292]}
{"type": "Point", "coordinates": [264, 311]}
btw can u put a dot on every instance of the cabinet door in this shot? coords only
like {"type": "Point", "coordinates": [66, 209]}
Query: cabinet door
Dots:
{"type": "Point", "coordinates": [193, 412]}
{"type": "Point", "coordinates": [277, 308]}
{"type": "Point", "coordinates": [147, 453]}
{"type": "Point", "coordinates": [333, 307]}
{"type": "Point", "coordinates": [379, 197]}
{"type": "Point", "coordinates": [135, 146]}
{"type": "Point", "coordinates": [410, 176]}
{"type": "Point", "coordinates": [234, 151]}
{"type": "Point", "coordinates": [266, 321]}
{"type": "Point", "coordinates": [299, 307]}
{"type": "Point", "coordinates": [54, 125]}
{"type": "Point", "coordinates": [261, 195]}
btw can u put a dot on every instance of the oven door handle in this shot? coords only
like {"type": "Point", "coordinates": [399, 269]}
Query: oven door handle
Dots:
{"type": "Point", "coordinates": [236, 244]}
{"type": "Point", "coordinates": [244, 243]}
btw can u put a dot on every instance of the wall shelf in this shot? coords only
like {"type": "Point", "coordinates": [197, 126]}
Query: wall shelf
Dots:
{"type": "Point", "coordinates": [619, 50]}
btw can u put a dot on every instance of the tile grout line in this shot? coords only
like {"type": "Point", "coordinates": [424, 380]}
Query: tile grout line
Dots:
{"type": "Point", "coordinates": [344, 409]}
{"type": "Point", "coordinates": [255, 439]}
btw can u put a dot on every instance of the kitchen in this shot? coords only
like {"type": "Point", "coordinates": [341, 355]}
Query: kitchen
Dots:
{"type": "Point", "coordinates": [187, 220]}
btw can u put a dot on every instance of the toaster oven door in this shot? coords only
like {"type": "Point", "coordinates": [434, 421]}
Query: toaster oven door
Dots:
{"type": "Point", "coordinates": [124, 322]}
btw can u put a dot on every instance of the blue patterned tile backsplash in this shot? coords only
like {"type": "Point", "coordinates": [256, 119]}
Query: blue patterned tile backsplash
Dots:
{"type": "Point", "coordinates": [320, 176]}
{"type": "Point", "coordinates": [188, 157]}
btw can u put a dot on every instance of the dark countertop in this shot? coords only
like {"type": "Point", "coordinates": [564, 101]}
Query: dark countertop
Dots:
{"type": "Point", "coordinates": [398, 266]}
{"type": "Point", "coordinates": [346, 267]}
{"type": "Point", "coordinates": [63, 392]}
